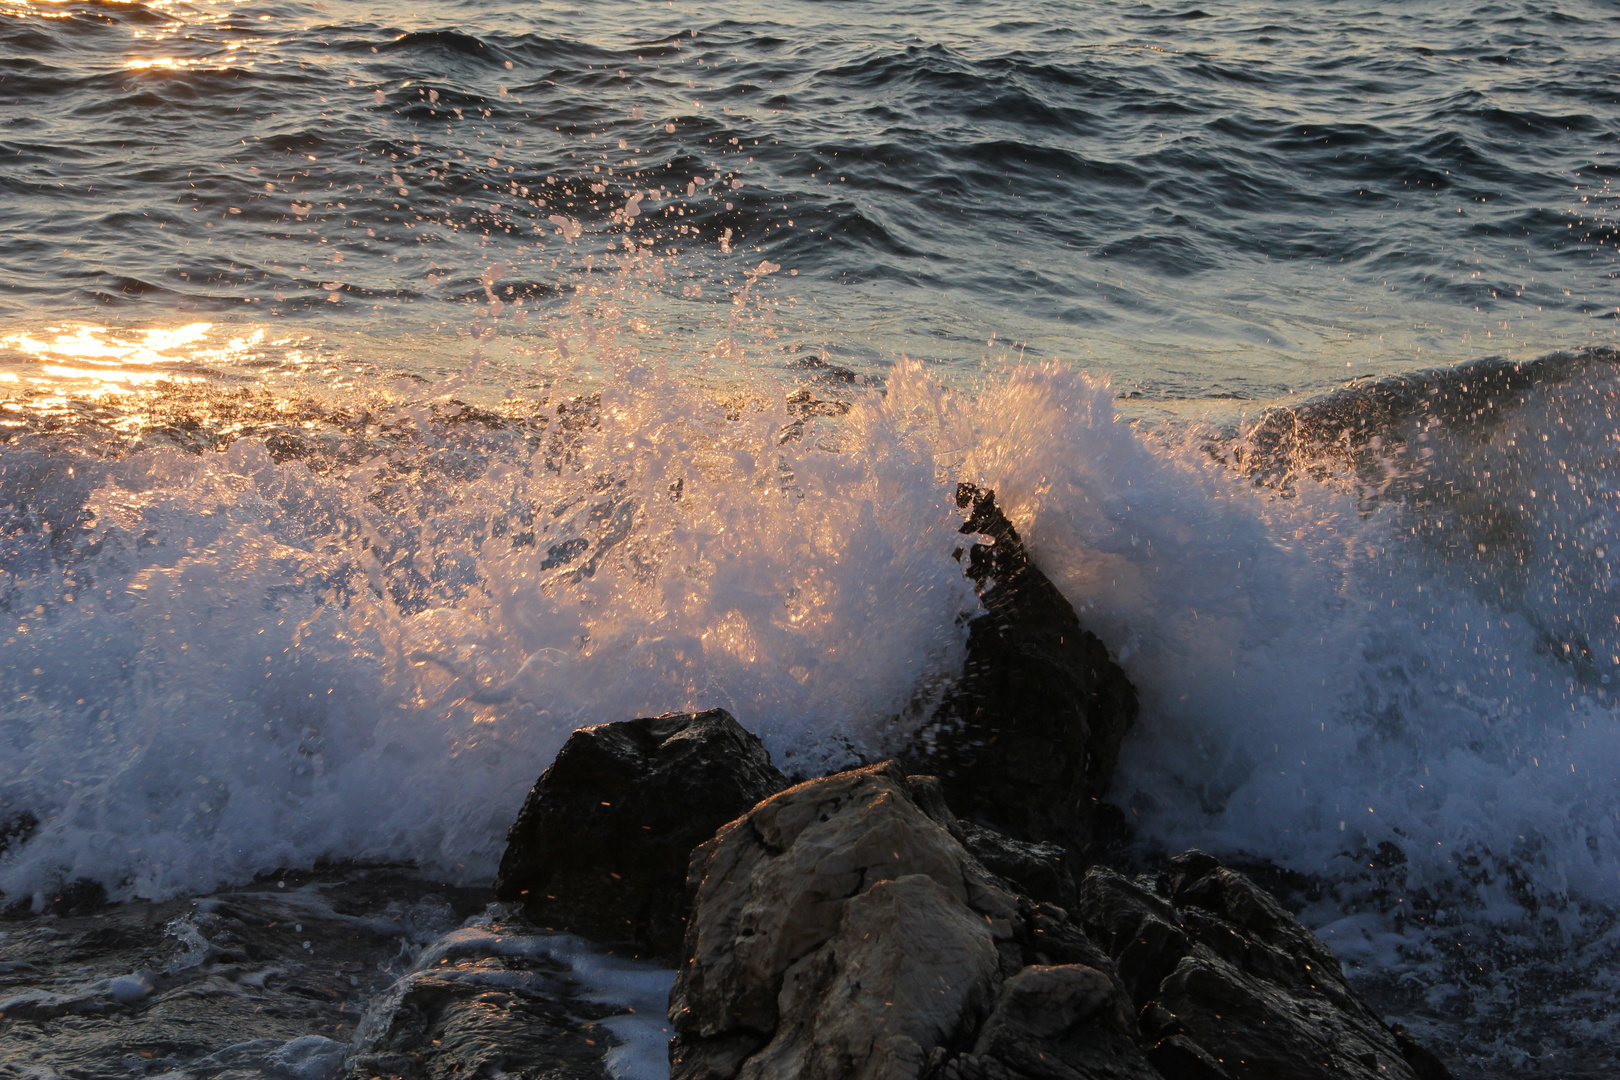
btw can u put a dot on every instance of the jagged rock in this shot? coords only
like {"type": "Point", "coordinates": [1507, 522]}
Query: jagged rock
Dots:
{"type": "Point", "coordinates": [602, 843]}
{"type": "Point", "coordinates": [1028, 738]}
{"type": "Point", "coordinates": [1039, 871]}
{"type": "Point", "coordinates": [1230, 985]}
{"type": "Point", "coordinates": [839, 929]}
{"type": "Point", "coordinates": [1053, 1023]}
{"type": "Point", "coordinates": [16, 829]}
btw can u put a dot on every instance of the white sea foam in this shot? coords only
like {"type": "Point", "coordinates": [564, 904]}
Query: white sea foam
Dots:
{"type": "Point", "coordinates": [260, 665]}
{"type": "Point", "coordinates": [1317, 680]}
{"type": "Point", "coordinates": [263, 664]}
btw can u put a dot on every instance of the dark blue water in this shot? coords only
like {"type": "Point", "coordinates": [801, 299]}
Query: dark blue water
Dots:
{"type": "Point", "coordinates": [1229, 199]}
{"type": "Point", "coordinates": [387, 390]}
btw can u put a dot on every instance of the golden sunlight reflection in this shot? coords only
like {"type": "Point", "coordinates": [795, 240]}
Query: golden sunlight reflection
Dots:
{"type": "Point", "coordinates": [100, 360]}
{"type": "Point", "coordinates": [163, 62]}
{"type": "Point", "coordinates": [180, 19]}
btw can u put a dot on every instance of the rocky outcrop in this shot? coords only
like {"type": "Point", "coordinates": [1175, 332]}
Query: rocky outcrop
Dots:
{"type": "Point", "coordinates": [1039, 871]}
{"type": "Point", "coordinates": [840, 931]}
{"type": "Point", "coordinates": [602, 843]}
{"type": "Point", "coordinates": [1229, 984]}
{"type": "Point", "coordinates": [1028, 738]}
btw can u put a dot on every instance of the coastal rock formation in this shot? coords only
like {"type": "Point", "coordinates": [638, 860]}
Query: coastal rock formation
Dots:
{"type": "Point", "coordinates": [1229, 984]}
{"type": "Point", "coordinates": [1039, 871]}
{"type": "Point", "coordinates": [602, 843]}
{"type": "Point", "coordinates": [840, 931]}
{"type": "Point", "coordinates": [1028, 738]}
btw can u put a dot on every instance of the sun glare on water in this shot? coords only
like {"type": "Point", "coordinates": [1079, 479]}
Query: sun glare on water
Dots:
{"type": "Point", "coordinates": [96, 360]}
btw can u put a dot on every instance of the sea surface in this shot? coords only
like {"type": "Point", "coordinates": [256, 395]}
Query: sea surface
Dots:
{"type": "Point", "coordinates": [388, 389]}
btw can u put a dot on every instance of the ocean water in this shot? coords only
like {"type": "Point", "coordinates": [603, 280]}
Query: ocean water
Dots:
{"type": "Point", "coordinates": [390, 389]}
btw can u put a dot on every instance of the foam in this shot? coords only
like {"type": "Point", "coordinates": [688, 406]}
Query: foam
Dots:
{"type": "Point", "coordinates": [261, 665]}
{"type": "Point", "coordinates": [1337, 681]}
{"type": "Point", "coordinates": [1305, 664]}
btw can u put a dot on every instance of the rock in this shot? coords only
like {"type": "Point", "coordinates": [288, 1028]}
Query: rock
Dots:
{"type": "Point", "coordinates": [80, 896]}
{"type": "Point", "coordinates": [482, 1001]}
{"type": "Point", "coordinates": [1229, 984]}
{"type": "Point", "coordinates": [906, 965]}
{"type": "Point", "coordinates": [839, 929]}
{"type": "Point", "coordinates": [267, 979]}
{"type": "Point", "coordinates": [1053, 1023]}
{"type": "Point", "coordinates": [1028, 738]}
{"type": "Point", "coordinates": [308, 1057]}
{"type": "Point", "coordinates": [1039, 871]}
{"type": "Point", "coordinates": [602, 843]}
{"type": "Point", "coordinates": [16, 829]}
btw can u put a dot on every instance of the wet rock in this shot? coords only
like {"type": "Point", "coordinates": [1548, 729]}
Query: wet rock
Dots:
{"type": "Point", "coordinates": [1027, 740]}
{"type": "Point", "coordinates": [1053, 1023]}
{"type": "Point", "coordinates": [1229, 984]}
{"type": "Point", "coordinates": [839, 929]}
{"type": "Point", "coordinates": [602, 843]}
{"type": "Point", "coordinates": [475, 1009]}
{"type": "Point", "coordinates": [1039, 871]}
{"type": "Point", "coordinates": [265, 979]}
{"type": "Point", "coordinates": [500, 998]}
{"type": "Point", "coordinates": [356, 972]}
{"type": "Point", "coordinates": [78, 897]}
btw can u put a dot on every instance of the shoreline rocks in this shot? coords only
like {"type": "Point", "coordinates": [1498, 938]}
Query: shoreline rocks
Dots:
{"type": "Point", "coordinates": [839, 929]}
{"type": "Point", "coordinates": [350, 973]}
{"type": "Point", "coordinates": [881, 923]}
{"type": "Point", "coordinates": [602, 843]}
{"type": "Point", "coordinates": [1228, 983]}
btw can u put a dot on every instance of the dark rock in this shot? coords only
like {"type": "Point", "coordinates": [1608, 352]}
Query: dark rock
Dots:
{"type": "Point", "coordinates": [1229, 984]}
{"type": "Point", "coordinates": [1179, 1058]}
{"type": "Point", "coordinates": [1039, 871]}
{"type": "Point", "coordinates": [16, 830]}
{"type": "Point", "coordinates": [1027, 739]}
{"type": "Point", "coordinates": [263, 980]}
{"type": "Point", "coordinates": [1421, 1058]}
{"type": "Point", "coordinates": [602, 843]}
{"type": "Point", "coordinates": [1053, 1023]}
{"type": "Point", "coordinates": [482, 1015]}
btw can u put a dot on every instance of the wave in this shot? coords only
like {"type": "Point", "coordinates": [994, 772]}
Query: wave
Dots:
{"type": "Point", "coordinates": [1374, 635]}
{"type": "Point", "coordinates": [1323, 616]}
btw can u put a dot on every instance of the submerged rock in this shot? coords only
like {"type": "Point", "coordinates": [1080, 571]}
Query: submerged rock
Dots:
{"type": "Point", "coordinates": [496, 998]}
{"type": "Point", "coordinates": [602, 843]}
{"type": "Point", "coordinates": [347, 974]}
{"type": "Point", "coordinates": [840, 931]}
{"type": "Point", "coordinates": [1028, 738]}
{"type": "Point", "coordinates": [1229, 984]}
{"type": "Point", "coordinates": [262, 980]}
